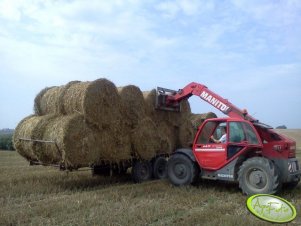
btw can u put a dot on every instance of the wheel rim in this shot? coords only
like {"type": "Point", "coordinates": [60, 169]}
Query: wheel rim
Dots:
{"type": "Point", "coordinates": [180, 170]}
{"type": "Point", "coordinates": [257, 179]}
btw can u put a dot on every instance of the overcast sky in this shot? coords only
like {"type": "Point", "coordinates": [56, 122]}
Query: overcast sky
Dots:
{"type": "Point", "coordinates": [246, 51]}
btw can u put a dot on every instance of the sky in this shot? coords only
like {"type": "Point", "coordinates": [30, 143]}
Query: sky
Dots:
{"type": "Point", "coordinates": [248, 52]}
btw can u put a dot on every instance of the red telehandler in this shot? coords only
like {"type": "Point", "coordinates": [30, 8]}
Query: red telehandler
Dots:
{"type": "Point", "coordinates": [254, 155]}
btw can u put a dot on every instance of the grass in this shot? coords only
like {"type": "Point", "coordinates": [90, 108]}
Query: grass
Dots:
{"type": "Point", "coordinates": [37, 195]}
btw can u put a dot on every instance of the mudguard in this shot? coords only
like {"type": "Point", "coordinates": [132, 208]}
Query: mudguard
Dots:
{"type": "Point", "coordinates": [186, 151]}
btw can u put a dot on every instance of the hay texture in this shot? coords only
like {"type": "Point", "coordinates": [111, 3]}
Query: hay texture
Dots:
{"type": "Point", "coordinates": [97, 101]}
{"type": "Point", "coordinates": [75, 142]}
{"type": "Point", "coordinates": [113, 144]}
{"type": "Point", "coordinates": [47, 101]}
{"type": "Point", "coordinates": [198, 119]}
{"type": "Point", "coordinates": [30, 127]}
{"type": "Point", "coordinates": [133, 105]}
{"type": "Point", "coordinates": [145, 139]}
{"type": "Point", "coordinates": [186, 134]}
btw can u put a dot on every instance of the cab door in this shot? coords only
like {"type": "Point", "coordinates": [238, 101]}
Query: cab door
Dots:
{"type": "Point", "coordinates": [210, 155]}
{"type": "Point", "coordinates": [241, 136]}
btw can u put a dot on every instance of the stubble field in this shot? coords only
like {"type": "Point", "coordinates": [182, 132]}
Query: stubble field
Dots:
{"type": "Point", "coordinates": [37, 195]}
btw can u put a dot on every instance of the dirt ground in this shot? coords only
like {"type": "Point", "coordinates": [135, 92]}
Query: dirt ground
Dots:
{"type": "Point", "coordinates": [37, 195]}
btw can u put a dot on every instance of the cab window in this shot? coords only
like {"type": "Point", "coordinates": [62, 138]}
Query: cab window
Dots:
{"type": "Point", "coordinates": [206, 132]}
{"type": "Point", "coordinates": [251, 135]}
{"type": "Point", "coordinates": [236, 132]}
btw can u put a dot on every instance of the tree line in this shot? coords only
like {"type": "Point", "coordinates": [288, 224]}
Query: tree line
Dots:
{"type": "Point", "coordinates": [6, 142]}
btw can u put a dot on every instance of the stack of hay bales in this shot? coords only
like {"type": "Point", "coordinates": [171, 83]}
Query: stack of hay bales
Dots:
{"type": "Point", "coordinates": [83, 119]}
{"type": "Point", "coordinates": [96, 122]}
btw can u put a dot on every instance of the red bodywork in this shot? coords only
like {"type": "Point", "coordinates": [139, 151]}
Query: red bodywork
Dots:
{"type": "Point", "coordinates": [213, 156]}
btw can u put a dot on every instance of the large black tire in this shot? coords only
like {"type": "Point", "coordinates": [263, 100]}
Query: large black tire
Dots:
{"type": "Point", "coordinates": [181, 170]}
{"type": "Point", "coordinates": [141, 171]}
{"type": "Point", "coordinates": [258, 175]}
{"type": "Point", "coordinates": [160, 168]}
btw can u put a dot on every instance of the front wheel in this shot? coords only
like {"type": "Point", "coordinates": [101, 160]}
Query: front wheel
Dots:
{"type": "Point", "coordinates": [181, 170]}
{"type": "Point", "coordinates": [258, 175]}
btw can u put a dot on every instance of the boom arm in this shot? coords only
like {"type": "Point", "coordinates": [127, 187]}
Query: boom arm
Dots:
{"type": "Point", "coordinates": [173, 99]}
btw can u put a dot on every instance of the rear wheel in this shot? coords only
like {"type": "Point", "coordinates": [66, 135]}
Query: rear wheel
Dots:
{"type": "Point", "coordinates": [141, 171]}
{"type": "Point", "coordinates": [258, 175]}
{"type": "Point", "coordinates": [181, 170]}
{"type": "Point", "coordinates": [160, 168]}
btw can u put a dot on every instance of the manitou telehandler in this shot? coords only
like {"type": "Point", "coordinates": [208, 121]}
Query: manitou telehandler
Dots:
{"type": "Point", "coordinates": [254, 155]}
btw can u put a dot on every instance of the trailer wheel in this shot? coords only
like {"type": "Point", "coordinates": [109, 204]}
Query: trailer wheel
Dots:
{"type": "Point", "coordinates": [181, 170]}
{"type": "Point", "coordinates": [141, 171]}
{"type": "Point", "coordinates": [258, 175]}
{"type": "Point", "coordinates": [160, 168]}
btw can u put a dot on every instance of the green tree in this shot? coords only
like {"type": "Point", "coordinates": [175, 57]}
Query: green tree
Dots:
{"type": "Point", "coordinates": [6, 142]}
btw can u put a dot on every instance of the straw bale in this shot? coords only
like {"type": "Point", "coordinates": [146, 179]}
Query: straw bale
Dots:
{"type": "Point", "coordinates": [23, 130]}
{"type": "Point", "coordinates": [168, 138]}
{"type": "Point", "coordinates": [75, 142]}
{"type": "Point", "coordinates": [186, 134]}
{"type": "Point", "coordinates": [62, 95]}
{"type": "Point", "coordinates": [113, 145]}
{"type": "Point", "coordinates": [98, 101]}
{"type": "Point", "coordinates": [50, 101]}
{"type": "Point", "coordinates": [133, 104]}
{"type": "Point", "coordinates": [37, 101]}
{"type": "Point", "coordinates": [145, 139]}
{"type": "Point", "coordinates": [30, 127]}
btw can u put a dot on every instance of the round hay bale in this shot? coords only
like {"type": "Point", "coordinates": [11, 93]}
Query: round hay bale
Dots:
{"type": "Point", "coordinates": [37, 101]}
{"type": "Point", "coordinates": [61, 97]}
{"type": "Point", "coordinates": [145, 139]}
{"type": "Point", "coordinates": [30, 127]}
{"type": "Point", "coordinates": [113, 146]}
{"type": "Point", "coordinates": [75, 143]}
{"type": "Point", "coordinates": [169, 137]}
{"type": "Point", "coordinates": [198, 119]}
{"type": "Point", "coordinates": [98, 101]}
{"type": "Point", "coordinates": [23, 130]}
{"type": "Point", "coordinates": [186, 134]}
{"type": "Point", "coordinates": [47, 101]}
{"type": "Point", "coordinates": [133, 103]}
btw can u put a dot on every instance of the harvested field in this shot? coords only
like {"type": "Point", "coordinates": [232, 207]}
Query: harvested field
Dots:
{"type": "Point", "coordinates": [36, 195]}
{"type": "Point", "coordinates": [294, 134]}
